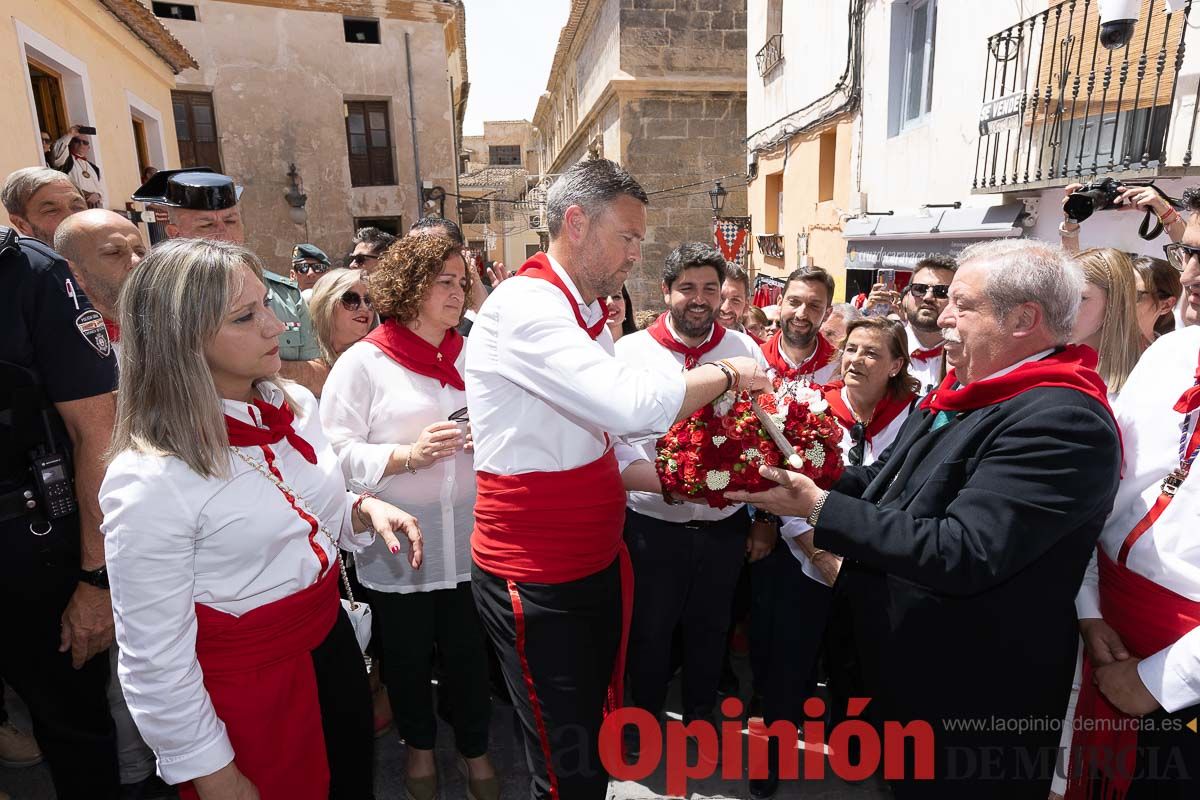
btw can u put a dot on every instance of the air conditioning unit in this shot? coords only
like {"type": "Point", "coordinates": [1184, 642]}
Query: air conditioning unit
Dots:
{"type": "Point", "coordinates": [535, 220]}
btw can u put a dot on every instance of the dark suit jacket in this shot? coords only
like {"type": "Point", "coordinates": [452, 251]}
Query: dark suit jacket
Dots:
{"type": "Point", "coordinates": [964, 549]}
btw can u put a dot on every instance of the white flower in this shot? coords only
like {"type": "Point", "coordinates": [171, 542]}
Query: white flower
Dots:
{"type": "Point", "coordinates": [818, 406]}
{"type": "Point", "coordinates": [723, 404]}
{"type": "Point", "coordinates": [779, 420]}
{"type": "Point", "coordinates": [717, 479]}
{"type": "Point", "coordinates": [806, 394]}
{"type": "Point", "coordinates": [719, 440]}
{"type": "Point", "coordinates": [816, 454]}
{"type": "Point", "coordinates": [752, 454]}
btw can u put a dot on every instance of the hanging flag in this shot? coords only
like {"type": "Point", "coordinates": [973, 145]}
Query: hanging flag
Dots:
{"type": "Point", "coordinates": [732, 235]}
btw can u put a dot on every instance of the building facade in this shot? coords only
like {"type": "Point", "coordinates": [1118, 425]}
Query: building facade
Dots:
{"type": "Point", "coordinates": [109, 64]}
{"type": "Point", "coordinates": [659, 86]}
{"type": "Point", "coordinates": [499, 222]}
{"type": "Point", "coordinates": [354, 106]}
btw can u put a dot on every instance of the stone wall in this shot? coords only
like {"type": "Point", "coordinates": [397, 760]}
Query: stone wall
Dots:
{"type": "Point", "coordinates": [669, 37]}
{"type": "Point", "coordinates": [670, 139]}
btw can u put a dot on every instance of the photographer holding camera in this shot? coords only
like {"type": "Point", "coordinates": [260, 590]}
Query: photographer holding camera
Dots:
{"type": "Point", "coordinates": [1082, 200]}
{"type": "Point", "coordinates": [72, 155]}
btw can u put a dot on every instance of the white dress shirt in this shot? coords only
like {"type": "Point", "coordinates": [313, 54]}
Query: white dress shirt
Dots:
{"type": "Point", "coordinates": [792, 527]}
{"type": "Point", "coordinates": [642, 351]}
{"type": "Point", "coordinates": [173, 538]}
{"type": "Point", "coordinates": [1169, 552]}
{"type": "Point", "coordinates": [369, 405]}
{"type": "Point", "coordinates": [820, 376]}
{"type": "Point", "coordinates": [545, 396]}
{"type": "Point", "coordinates": [83, 174]}
{"type": "Point", "coordinates": [929, 371]}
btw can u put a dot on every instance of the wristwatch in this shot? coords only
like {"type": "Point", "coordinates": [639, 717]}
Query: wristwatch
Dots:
{"type": "Point", "coordinates": [95, 577]}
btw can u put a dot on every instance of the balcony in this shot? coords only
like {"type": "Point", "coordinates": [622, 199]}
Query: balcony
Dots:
{"type": "Point", "coordinates": [1059, 108]}
{"type": "Point", "coordinates": [771, 245]}
{"type": "Point", "coordinates": [770, 55]}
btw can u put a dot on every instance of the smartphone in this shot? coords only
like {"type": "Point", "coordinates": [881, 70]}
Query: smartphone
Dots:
{"type": "Point", "coordinates": [888, 278]}
{"type": "Point", "coordinates": [88, 129]}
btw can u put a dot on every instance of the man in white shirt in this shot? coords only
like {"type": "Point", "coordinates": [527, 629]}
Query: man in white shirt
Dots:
{"type": "Point", "coordinates": [1139, 606]}
{"type": "Point", "coordinates": [547, 399]}
{"type": "Point", "coordinates": [72, 154]}
{"type": "Point", "coordinates": [686, 556]}
{"type": "Point", "coordinates": [925, 299]}
{"type": "Point", "coordinates": [735, 297]}
{"type": "Point", "coordinates": [797, 353]}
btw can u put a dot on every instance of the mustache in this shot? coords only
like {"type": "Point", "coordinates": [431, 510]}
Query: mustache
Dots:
{"type": "Point", "coordinates": [951, 335]}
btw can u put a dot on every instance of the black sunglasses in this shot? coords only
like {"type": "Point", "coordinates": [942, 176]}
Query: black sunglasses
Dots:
{"type": "Point", "coordinates": [353, 301]}
{"type": "Point", "coordinates": [363, 258]}
{"type": "Point", "coordinates": [459, 416]}
{"type": "Point", "coordinates": [303, 268]}
{"type": "Point", "coordinates": [940, 290]}
{"type": "Point", "coordinates": [83, 142]}
{"type": "Point", "coordinates": [1178, 254]}
{"type": "Point", "coordinates": [858, 438]}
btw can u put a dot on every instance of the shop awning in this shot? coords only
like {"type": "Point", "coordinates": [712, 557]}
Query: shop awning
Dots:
{"type": "Point", "coordinates": [900, 242]}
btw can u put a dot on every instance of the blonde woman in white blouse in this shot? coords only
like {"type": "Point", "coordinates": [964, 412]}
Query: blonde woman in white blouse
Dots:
{"type": "Point", "coordinates": [394, 407]}
{"type": "Point", "coordinates": [224, 508]}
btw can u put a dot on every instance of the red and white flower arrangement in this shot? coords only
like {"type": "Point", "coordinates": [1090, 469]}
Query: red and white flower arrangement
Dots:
{"type": "Point", "coordinates": [720, 447]}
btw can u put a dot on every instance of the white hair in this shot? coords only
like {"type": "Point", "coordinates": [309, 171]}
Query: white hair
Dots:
{"type": "Point", "coordinates": [1030, 271]}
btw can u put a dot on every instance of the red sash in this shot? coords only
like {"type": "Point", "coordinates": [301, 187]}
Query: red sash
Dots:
{"type": "Point", "coordinates": [539, 267]}
{"type": "Point", "coordinates": [886, 411]}
{"type": "Point", "coordinates": [259, 673]}
{"type": "Point", "coordinates": [821, 356]}
{"type": "Point", "coordinates": [1147, 617]}
{"type": "Point", "coordinates": [417, 355]}
{"type": "Point", "coordinates": [555, 527]}
{"type": "Point", "coordinates": [691, 355]}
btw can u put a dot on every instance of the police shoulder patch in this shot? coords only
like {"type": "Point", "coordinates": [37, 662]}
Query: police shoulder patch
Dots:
{"type": "Point", "coordinates": [91, 326]}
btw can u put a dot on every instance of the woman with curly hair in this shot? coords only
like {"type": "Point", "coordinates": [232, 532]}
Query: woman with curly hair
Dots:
{"type": "Point", "coordinates": [394, 408]}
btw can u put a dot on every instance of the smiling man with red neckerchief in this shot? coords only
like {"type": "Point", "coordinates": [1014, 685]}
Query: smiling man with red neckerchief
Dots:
{"type": "Point", "coordinates": [965, 543]}
{"type": "Point", "coordinates": [797, 353]}
{"type": "Point", "coordinates": [548, 399]}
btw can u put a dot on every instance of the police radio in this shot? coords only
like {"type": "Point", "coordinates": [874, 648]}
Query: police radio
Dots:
{"type": "Point", "coordinates": [53, 480]}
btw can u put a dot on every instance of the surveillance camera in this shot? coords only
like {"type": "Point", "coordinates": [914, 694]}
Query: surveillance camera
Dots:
{"type": "Point", "coordinates": [1117, 18]}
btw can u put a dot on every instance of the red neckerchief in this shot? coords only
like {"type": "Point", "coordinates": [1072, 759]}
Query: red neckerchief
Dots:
{"type": "Point", "coordinates": [1189, 401]}
{"type": "Point", "coordinates": [539, 267]}
{"type": "Point", "coordinates": [886, 411]}
{"type": "Point", "coordinates": [279, 426]}
{"type": "Point", "coordinates": [417, 355]}
{"type": "Point", "coordinates": [822, 355]}
{"type": "Point", "coordinates": [925, 355]}
{"type": "Point", "coordinates": [691, 355]}
{"type": "Point", "coordinates": [114, 330]}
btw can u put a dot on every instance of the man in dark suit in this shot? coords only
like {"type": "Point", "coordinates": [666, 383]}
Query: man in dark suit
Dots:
{"type": "Point", "coordinates": [965, 544]}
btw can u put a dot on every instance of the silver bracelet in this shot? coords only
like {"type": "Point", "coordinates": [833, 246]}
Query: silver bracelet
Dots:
{"type": "Point", "coordinates": [815, 514]}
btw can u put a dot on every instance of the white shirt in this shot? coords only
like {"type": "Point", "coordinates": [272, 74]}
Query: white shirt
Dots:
{"type": "Point", "coordinates": [369, 405]}
{"type": "Point", "coordinates": [545, 396]}
{"type": "Point", "coordinates": [82, 173]}
{"type": "Point", "coordinates": [1169, 552]}
{"type": "Point", "coordinates": [173, 539]}
{"type": "Point", "coordinates": [792, 527]}
{"type": "Point", "coordinates": [641, 350]}
{"type": "Point", "coordinates": [929, 371]}
{"type": "Point", "coordinates": [820, 377]}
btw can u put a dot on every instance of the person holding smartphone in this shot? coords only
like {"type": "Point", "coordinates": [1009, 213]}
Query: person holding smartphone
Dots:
{"type": "Point", "coordinates": [392, 407]}
{"type": "Point", "coordinates": [72, 154]}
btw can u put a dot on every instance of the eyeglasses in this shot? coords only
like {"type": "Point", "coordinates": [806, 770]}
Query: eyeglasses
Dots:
{"type": "Point", "coordinates": [81, 142]}
{"type": "Point", "coordinates": [1178, 254]}
{"type": "Point", "coordinates": [362, 258]}
{"type": "Point", "coordinates": [303, 268]}
{"type": "Point", "coordinates": [459, 416]}
{"type": "Point", "coordinates": [940, 290]}
{"type": "Point", "coordinates": [858, 437]}
{"type": "Point", "coordinates": [353, 301]}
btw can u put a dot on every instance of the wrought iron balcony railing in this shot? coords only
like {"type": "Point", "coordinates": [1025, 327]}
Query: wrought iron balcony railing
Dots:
{"type": "Point", "coordinates": [771, 245]}
{"type": "Point", "coordinates": [1059, 108]}
{"type": "Point", "coordinates": [770, 54]}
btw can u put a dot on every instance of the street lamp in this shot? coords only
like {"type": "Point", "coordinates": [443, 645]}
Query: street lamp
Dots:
{"type": "Point", "coordinates": [295, 197]}
{"type": "Point", "coordinates": [716, 196]}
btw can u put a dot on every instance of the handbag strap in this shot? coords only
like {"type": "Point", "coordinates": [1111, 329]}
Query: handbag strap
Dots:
{"type": "Point", "coordinates": [261, 469]}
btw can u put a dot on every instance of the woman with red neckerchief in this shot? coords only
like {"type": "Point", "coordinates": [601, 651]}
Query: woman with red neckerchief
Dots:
{"type": "Point", "coordinates": [224, 512]}
{"type": "Point", "coordinates": [395, 408]}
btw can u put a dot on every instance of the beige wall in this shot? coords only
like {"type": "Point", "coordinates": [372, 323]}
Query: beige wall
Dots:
{"type": "Point", "coordinates": [118, 70]}
{"type": "Point", "coordinates": [802, 210]}
{"type": "Point", "coordinates": [279, 79]}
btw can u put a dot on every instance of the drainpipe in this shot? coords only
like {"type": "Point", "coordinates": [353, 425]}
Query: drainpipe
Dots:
{"type": "Point", "coordinates": [412, 120]}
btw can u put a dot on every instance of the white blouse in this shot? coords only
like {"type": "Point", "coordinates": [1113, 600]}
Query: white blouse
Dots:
{"type": "Point", "coordinates": [173, 539]}
{"type": "Point", "coordinates": [369, 405]}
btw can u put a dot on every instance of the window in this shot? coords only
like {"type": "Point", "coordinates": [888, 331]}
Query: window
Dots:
{"type": "Point", "coordinates": [140, 144]}
{"type": "Point", "coordinates": [827, 168]}
{"type": "Point", "coordinates": [369, 140]}
{"type": "Point", "coordinates": [361, 31]}
{"type": "Point", "coordinates": [48, 100]}
{"type": "Point", "coordinates": [474, 212]}
{"type": "Point", "coordinates": [175, 11]}
{"type": "Point", "coordinates": [196, 130]}
{"type": "Point", "coordinates": [504, 155]}
{"type": "Point", "coordinates": [774, 203]}
{"type": "Point", "coordinates": [774, 17]}
{"type": "Point", "coordinates": [920, 27]}
{"type": "Point", "coordinates": [532, 250]}
{"type": "Point", "coordinates": [392, 225]}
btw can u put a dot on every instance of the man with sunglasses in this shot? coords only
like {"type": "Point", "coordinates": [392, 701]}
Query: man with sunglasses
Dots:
{"type": "Point", "coordinates": [72, 155]}
{"type": "Point", "coordinates": [924, 301]}
{"type": "Point", "coordinates": [309, 263]}
{"type": "Point", "coordinates": [368, 245]}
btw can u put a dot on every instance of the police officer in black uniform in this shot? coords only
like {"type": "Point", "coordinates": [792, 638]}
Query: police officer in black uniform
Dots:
{"type": "Point", "coordinates": [57, 376]}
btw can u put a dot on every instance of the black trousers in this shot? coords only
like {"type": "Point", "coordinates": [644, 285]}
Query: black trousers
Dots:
{"type": "Point", "coordinates": [684, 575]}
{"type": "Point", "coordinates": [557, 645]}
{"type": "Point", "coordinates": [346, 718]}
{"type": "Point", "coordinates": [415, 627]}
{"type": "Point", "coordinates": [1168, 759]}
{"type": "Point", "coordinates": [787, 624]}
{"type": "Point", "coordinates": [69, 707]}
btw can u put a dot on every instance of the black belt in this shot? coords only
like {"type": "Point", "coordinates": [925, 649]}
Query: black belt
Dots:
{"type": "Point", "coordinates": [17, 503]}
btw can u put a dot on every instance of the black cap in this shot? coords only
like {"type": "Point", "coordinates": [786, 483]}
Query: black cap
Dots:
{"type": "Point", "coordinates": [198, 188]}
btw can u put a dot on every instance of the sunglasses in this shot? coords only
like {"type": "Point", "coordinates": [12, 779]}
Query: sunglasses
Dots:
{"type": "Point", "coordinates": [940, 290]}
{"type": "Point", "coordinates": [858, 438]}
{"type": "Point", "coordinates": [353, 301]}
{"type": "Point", "coordinates": [304, 269]}
{"type": "Point", "coordinates": [1178, 254]}
{"type": "Point", "coordinates": [459, 416]}
{"type": "Point", "coordinates": [81, 142]}
{"type": "Point", "coordinates": [363, 258]}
